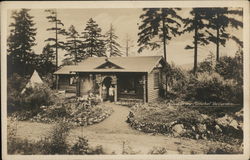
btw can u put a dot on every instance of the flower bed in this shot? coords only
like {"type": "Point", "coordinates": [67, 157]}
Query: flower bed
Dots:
{"type": "Point", "coordinates": [73, 111]}
{"type": "Point", "coordinates": [181, 121]}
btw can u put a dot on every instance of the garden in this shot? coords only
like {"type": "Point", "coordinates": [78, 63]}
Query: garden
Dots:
{"type": "Point", "coordinates": [207, 105]}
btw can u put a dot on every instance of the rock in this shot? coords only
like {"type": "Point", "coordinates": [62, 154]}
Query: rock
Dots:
{"type": "Point", "coordinates": [193, 128]}
{"type": "Point", "coordinates": [224, 121]}
{"type": "Point", "coordinates": [234, 124]}
{"type": "Point", "coordinates": [178, 129]}
{"type": "Point", "coordinates": [240, 126]}
{"type": "Point", "coordinates": [218, 128]}
{"type": "Point", "coordinates": [202, 128]}
{"type": "Point", "coordinates": [197, 136]}
{"type": "Point", "coordinates": [239, 113]}
{"type": "Point", "coordinates": [204, 116]}
{"type": "Point", "coordinates": [204, 136]}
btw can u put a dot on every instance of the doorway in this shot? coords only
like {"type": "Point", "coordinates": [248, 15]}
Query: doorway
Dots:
{"type": "Point", "coordinates": [106, 84]}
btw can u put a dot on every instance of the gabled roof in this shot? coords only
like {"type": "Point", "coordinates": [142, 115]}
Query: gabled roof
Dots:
{"type": "Point", "coordinates": [126, 64]}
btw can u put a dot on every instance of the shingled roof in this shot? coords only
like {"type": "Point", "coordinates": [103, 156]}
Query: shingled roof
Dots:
{"type": "Point", "coordinates": [121, 64]}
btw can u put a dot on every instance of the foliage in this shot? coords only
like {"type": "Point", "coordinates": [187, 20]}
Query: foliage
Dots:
{"type": "Point", "coordinates": [113, 47]}
{"type": "Point", "coordinates": [219, 20]}
{"type": "Point", "coordinates": [224, 149]}
{"type": "Point", "coordinates": [58, 30]}
{"type": "Point", "coordinates": [93, 39]}
{"type": "Point", "coordinates": [14, 87]}
{"type": "Point", "coordinates": [158, 150]}
{"type": "Point", "coordinates": [27, 104]}
{"type": "Point", "coordinates": [74, 46]}
{"type": "Point", "coordinates": [20, 43]}
{"type": "Point", "coordinates": [74, 112]}
{"type": "Point", "coordinates": [45, 61]}
{"type": "Point", "coordinates": [185, 122]}
{"type": "Point", "coordinates": [196, 24]}
{"type": "Point", "coordinates": [231, 68]}
{"type": "Point", "coordinates": [54, 143]}
{"type": "Point", "coordinates": [82, 147]}
{"type": "Point", "coordinates": [158, 24]}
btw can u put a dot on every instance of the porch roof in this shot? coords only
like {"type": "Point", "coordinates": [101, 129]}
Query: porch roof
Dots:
{"type": "Point", "coordinates": [126, 64]}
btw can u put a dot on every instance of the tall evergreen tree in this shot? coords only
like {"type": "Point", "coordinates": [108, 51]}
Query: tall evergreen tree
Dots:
{"type": "Point", "coordinates": [112, 46]}
{"type": "Point", "coordinates": [197, 23]}
{"type": "Point", "coordinates": [158, 26]}
{"type": "Point", "coordinates": [45, 62]}
{"type": "Point", "coordinates": [219, 20]}
{"type": "Point", "coordinates": [93, 39]}
{"type": "Point", "coordinates": [20, 42]}
{"type": "Point", "coordinates": [58, 30]}
{"type": "Point", "coordinates": [74, 46]}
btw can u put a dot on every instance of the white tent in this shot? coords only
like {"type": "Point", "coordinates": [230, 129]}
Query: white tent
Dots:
{"type": "Point", "coordinates": [35, 79]}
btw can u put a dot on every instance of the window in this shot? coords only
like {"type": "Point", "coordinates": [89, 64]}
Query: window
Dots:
{"type": "Point", "coordinates": [156, 80]}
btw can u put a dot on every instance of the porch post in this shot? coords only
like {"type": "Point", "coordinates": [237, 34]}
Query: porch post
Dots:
{"type": "Point", "coordinates": [144, 89]}
{"type": "Point", "coordinates": [99, 82]}
{"type": "Point", "coordinates": [57, 81]}
{"type": "Point", "coordinates": [78, 86]}
{"type": "Point", "coordinates": [115, 84]}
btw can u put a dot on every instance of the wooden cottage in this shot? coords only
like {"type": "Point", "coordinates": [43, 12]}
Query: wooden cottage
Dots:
{"type": "Point", "coordinates": [139, 78]}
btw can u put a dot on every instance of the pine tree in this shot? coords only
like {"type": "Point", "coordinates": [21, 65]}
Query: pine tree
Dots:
{"type": "Point", "coordinates": [74, 46]}
{"type": "Point", "coordinates": [93, 39]}
{"type": "Point", "coordinates": [20, 42]}
{"type": "Point", "coordinates": [46, 61]}
{"type": "Point", "coordinates": [219, 20]}
{"type": "Point", "coordinates": [196, 24]}
{"type": "Point", "coordinates": [158, 26]}
{"type": "Point", "coordinates": [112, 46]}
{"type": "Point", "coordinates": [58, 30]}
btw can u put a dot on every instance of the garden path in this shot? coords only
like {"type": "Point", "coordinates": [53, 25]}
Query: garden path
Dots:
{"type": "Point", "coordinates": [115, 135]}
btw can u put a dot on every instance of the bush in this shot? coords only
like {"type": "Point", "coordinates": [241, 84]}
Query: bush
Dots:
{"type": "Point", "coordinates": [55, 143]}
{"type": "Point", "coordinates": [211, 87]}
{"type": "Point", "coordinates": [14, 87]}
{"type": "Point", "coordinates": [158, 150]}
{"type": "Point", "coordinates": [224, 149]}
{"type": "Point", "coordinates": [82, 147]}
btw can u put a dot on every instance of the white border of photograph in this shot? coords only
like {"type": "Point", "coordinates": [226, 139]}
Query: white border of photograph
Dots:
{"type": "Point", "coordinates": [123, 4]}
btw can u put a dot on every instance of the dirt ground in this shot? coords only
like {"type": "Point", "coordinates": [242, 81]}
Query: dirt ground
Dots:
{"type": "Point", "coordinates": [116, 136]}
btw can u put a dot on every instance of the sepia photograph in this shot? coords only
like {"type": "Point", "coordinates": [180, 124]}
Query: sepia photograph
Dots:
{"type": "Point", "coordinates": [127, 79]}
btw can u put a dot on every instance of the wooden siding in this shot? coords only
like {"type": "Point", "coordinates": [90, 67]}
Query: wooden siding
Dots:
{"type": "Point", "coordinates": [63, 84]}
{"type": "Point", "coordinates": [153, 93]}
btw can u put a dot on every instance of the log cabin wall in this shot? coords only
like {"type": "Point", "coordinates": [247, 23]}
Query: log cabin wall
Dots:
{"type": "Point", "coordinates": [154, 84]}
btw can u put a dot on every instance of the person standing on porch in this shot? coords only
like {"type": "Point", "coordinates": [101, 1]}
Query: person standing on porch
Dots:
{"type": "Point", "coordinates": [111, 93]}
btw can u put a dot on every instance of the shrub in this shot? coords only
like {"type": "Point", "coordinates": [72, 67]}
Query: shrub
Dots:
{"type": "Point", "coordinates": [14, 87]}
{"type": "Point", "coordinates": [224, 149]}
{"type": "Point", "coordinates": [55, 143]}
{"type": "Point", "coordinates": [158, 150]}
{"type": "Point", "coordinates": [80, 147]}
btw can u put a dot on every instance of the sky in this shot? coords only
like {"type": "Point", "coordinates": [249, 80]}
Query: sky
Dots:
{"type": "Point", "coordinates": [125, 22]}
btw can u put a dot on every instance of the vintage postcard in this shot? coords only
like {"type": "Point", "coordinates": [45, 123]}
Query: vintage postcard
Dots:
{"type": "Point", "coordinates": [125, 80]}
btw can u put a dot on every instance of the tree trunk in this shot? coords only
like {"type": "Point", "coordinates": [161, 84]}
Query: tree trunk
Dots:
{"type": "Point", "coordinates": [164, 38]}
{"type": "Point", "coordinates": [164, 48]}
{"type": "Point", "coordinates": [217, 44]}
{"type": "Point", "coordinates": [195, 47]}
{"type": "Point", "coordinates": [75, 51]}
{"type": "Point", "coordinates": [56, 43]}
{"type": "Point", "coordinates": [57, 78]}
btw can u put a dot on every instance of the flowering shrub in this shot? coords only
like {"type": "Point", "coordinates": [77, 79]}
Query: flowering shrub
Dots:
{"type": "Point", "coordinates": [75, 112]}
